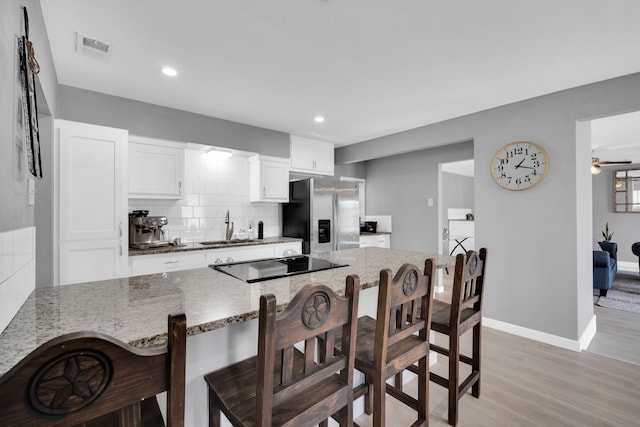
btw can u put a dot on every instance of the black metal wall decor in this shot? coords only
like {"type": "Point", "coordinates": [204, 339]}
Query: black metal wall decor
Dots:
{"type": "Point", "coordinates": [28, 68]}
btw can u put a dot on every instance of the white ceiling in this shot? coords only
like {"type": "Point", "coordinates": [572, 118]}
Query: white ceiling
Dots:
{"type": "Point", "coordinates": [370, 67]}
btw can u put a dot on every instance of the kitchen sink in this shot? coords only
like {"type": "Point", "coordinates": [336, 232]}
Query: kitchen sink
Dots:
{"type": "Point", "coordinates": [228, 242]}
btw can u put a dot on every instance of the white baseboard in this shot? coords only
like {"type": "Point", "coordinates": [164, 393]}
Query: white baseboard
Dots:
{"type": "Point", "coordinates": [588, 333]}
{"type": "Point", "coordinates": [628, 267]}
{"type": "Point", "coordinates": [562, 342]}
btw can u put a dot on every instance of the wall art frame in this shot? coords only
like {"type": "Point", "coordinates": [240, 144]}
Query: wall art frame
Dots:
{"type": "Point", "coordinates": [29, 102]}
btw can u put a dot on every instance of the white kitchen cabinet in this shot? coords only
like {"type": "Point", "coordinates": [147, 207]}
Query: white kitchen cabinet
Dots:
{"type": "Point", "coordinates": [375, 240]}
{"type": "Point", "coordinates": [268, 179]}
{"type": "Point", "coordinates": [161, 263]}
{"type": "Point", "coordinates": [239, 254]}
{"type": "Point", "coordinates": [88, 261]}
{"type": "Point", "coordinates": [156, 169]}
{"type": "Point", "coordinates": [176, 261]}
{"type": "Point", "coordinates": [311, 156]}
{"type": "Point", "coordinates": [91, 202]}
{"type": "Point", "coordinates": [287, 249]}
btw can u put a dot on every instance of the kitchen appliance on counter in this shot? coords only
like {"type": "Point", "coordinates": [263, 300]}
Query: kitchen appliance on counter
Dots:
{"type": "Point", "coordinates": [267, 269]}
{"type": "Point", "coordinates": [146, 231]}
{"type": "Point", "coordinates": [324, 213]}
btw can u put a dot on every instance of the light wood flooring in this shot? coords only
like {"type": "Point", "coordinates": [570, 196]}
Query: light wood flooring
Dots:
{"type": "Point", "coordinates": [527, 383]}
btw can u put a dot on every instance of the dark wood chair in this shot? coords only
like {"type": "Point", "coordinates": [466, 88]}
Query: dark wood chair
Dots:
{"type": "Point", "coordinates": [453, 320]}
{"type": "Point", "coordinates": [287, 386]}
{"type": "Point", "coordinates": [89, 379]}
{"type": "Point", "coordinates": [396, 340]}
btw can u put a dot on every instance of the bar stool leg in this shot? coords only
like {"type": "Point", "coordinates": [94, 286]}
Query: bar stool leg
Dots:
{"type": "Point", "coordinates": [379, 394]}
{"type": "Point", "coordinates": [477, 344]}
{"type": "Point", "coordinates": [214, 411]}
{"type": "Point", "coordinates": [423, 390]}
{"type": "Point", "coordinates": [368, 398]}
{"type": "Point", "coordinates": [454, 357]}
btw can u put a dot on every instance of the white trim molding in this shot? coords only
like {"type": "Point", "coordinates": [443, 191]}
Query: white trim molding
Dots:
{"type": "Point", "coordinates": [554, 340]}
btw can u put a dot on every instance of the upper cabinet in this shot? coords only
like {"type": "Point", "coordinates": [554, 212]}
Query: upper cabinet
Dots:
{"type": "Point", "coordinates": [91, 215]}
{"type": "Point", "coordinates": [311, 156]}
{"type": "Point", "coordinates": [268, 179]}
{"type": "Point", "coordinates": [156, 169]}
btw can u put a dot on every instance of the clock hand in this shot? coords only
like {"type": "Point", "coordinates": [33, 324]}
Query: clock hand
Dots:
{"type": "Point", "coordinates": [518, 165]}
{"type": "Point", "coordinates": [526, 167]}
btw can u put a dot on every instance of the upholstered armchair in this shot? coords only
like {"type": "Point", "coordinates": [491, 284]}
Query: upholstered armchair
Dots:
{"type": "Point", "coordinates": [635, 248]}
{"type": "Point", "coordinates": [605, 266]}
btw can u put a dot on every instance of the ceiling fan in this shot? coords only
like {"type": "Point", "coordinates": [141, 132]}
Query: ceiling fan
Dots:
{"type": "Point", "coordinates": [596, 163]}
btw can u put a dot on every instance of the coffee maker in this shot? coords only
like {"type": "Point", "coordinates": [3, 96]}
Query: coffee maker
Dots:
{"type": "Point", "coordinates": [146, 231]}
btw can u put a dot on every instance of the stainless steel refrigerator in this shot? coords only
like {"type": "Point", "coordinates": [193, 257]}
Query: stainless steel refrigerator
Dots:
{"type": "Point", "coordinates": [324, 213]}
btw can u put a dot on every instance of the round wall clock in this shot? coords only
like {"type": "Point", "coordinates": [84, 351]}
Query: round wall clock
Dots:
{"type": "Point", "coordinates": [519, 165]}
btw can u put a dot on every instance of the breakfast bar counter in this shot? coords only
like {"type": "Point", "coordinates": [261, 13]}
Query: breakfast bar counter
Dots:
{"type": "Point", "coordinates": [218, 307]}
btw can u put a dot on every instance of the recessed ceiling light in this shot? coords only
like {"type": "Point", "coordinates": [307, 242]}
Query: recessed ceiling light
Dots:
{"type": "Point", "coordinates": [168, 71]}
{"type": "Point", "coordinates": [319, 119]}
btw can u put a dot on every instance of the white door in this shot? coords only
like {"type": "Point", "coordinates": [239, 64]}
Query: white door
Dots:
{"type": "Point", "coordinates": [92, 195]}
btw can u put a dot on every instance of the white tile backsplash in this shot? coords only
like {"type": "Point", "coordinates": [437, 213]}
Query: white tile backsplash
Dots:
{"type": "Point", "coordinates": [212, 188]}
{"type": "Point", "coordinates": [17, 271]}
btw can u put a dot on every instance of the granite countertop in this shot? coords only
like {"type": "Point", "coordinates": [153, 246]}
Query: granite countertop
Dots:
{"type": "Point", "coordinates": [134, 309]}
{"type": "Point", "coordinates": [219, 244]}
{"type": "Point", "coordinates": [377, 233]}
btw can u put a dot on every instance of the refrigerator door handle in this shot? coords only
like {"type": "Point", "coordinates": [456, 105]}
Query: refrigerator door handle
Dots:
{"type": "Point", "coordinates": [336, 220]}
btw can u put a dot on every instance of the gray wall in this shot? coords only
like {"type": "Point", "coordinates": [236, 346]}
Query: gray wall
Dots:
{"type": "Point", "coordinates": [457, 192]}
{"type": "Point", "coordinates": [400, 186]}
{"type": "Point", "coordinates": [14, 212]}
{"type": "Point", "coordinates": [538, 239]}
{"type": "Point", "coordinates": [154, 121]}
{"type": "Point", "coordinates": [352, 170]}
{"type": "Point", "coordinates": [625, 226]}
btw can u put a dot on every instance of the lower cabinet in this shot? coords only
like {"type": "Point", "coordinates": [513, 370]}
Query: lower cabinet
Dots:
{"type": "Point", "coordinates": [89, 261]}
{"type": "Point", "coordinates": [375, 240]}
{"type": "Point", "coordinates": [161, 263]}
{"type": "Point", "coordinates": [244, 253]}
{"type": "Point", "coordinates": [287, 249]}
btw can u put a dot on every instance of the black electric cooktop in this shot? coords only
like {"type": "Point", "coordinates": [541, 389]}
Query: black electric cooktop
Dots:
{"type": "Point", "coordinates": [267, 269]}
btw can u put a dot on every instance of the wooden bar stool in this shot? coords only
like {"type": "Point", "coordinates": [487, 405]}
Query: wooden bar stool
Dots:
{"type": "Point", "coordinates": [453, 320]}
{"type": "Point", "coordinates": [285, 386]}
{"type": "Point", "coordinates": [92, 380]}
{"type": "Point", "coordinates": [396, 339]}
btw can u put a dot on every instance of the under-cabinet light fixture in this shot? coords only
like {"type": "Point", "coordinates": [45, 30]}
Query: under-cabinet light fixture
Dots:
{"type": "Point", "coordinates": [319, 119]}
{"type": "Point", "coordinates": [217, 154]}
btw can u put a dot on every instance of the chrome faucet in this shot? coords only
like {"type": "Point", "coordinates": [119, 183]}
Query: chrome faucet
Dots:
{"type": "Point", "coordinates": [229, 232]}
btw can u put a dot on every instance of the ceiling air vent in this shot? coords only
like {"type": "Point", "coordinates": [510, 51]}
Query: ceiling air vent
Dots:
{"type": "Point", "coordinates": [92, 47]}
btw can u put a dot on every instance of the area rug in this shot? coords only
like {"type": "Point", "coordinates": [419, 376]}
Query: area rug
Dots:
{"type": "Point", "coordinates": [623, 295]}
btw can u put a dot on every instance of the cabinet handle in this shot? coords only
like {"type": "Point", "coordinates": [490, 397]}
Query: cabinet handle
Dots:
{"type": "Point", "coordinates": [121, 251]}
{"type": "Point", "coordinates": [170, 264]}
{"type": "Point", "coordinates": [120, 229]}
{"type": "Point", "coordinates": [229, 259]}
{"type": "Point", "coordinates": [264, 191]}
{"type": "Point", "coordinates": [314, 164]}
{"type": "Point", "coordinates": [180, 186]}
